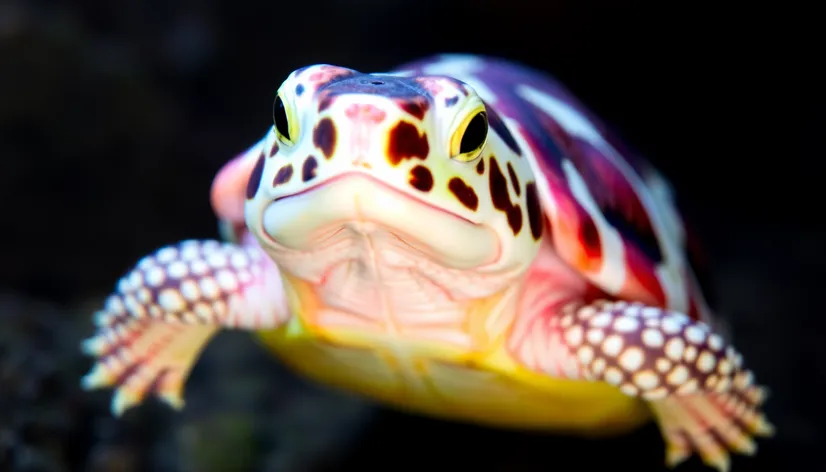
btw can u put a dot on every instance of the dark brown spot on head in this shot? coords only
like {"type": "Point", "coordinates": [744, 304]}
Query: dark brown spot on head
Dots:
{"type": "Point", "coordinates": [514, 180]}
{"type": "Point", "coordinates": [274, 148]}
{"type": "Point", "coordinates": [255, 177]}
{"type": "Point", "coordinates": [498, 187]}
{"type": "Point", "coordinates": [501, 199]}
{"type": "Point", "coordinates": [309, 168]}
{"type": "Point", "coordinates": [324, 136]}
{"type": "Point", "coordinates": [464, 193]}
{"type": "Point", "coordinates": [421, 178]}
{"type": "Point", "coordinates": [515, 219]}
{"type": "Point", "coordinates": [406, 143]}
{"type": "Point", "coordinates": [283, 175]}
{"type": "Point", "coordinates": [480, 166]}
{"type": "Point", "coordinates": [535, 217]}
{"type": "Point", "coordinates": [416, 107]}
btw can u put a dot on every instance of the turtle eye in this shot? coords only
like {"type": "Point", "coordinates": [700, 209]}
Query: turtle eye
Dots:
{"type": "Point", "coordinates": [282, 123]}
{"type": "Point", "coordinates": [470, 138]}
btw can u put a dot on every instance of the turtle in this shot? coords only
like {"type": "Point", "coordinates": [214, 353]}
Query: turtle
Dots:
{"type": "Point", "coordinates": [461, 238]}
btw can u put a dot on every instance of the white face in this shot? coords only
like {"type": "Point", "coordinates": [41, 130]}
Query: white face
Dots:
{"type": "Point", "coordinates": [401, 171]}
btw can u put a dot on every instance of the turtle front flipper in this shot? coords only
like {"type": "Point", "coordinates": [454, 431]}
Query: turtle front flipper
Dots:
{"type": "Point", "coordinates": [164, 311]}
{"type": "Point", "coordinates": [702, 397]}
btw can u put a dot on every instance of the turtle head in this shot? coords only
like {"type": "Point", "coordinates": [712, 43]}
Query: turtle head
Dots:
{"type": "Point", "coordinates": [409, 170]}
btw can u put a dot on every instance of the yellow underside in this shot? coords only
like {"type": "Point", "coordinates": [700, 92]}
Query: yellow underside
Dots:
{"type": "Point", "coordinates": [429, 378]}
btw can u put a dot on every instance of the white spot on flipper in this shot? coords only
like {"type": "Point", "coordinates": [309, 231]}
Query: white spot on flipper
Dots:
{"type": "Point", "coordinates": [177, 270]}
{"type": "Point", "coordinates": [690, 354]}
{"type": "Point", "coordinates": [646, 380]}
{"type": "Point", "coordinates": [652, 338]}
{"type": "Point", "coordinates": [595, 336]}
{"type": "Point", "coordinates": [190, 251]}
{"type": "Point", "coordinates": [601, 320]}
{"type": "Point", "coordinates": [670, 326]}
{"type": "Point", "coordinates": [598, 366]}
{"type": "Point", "coordinates": [217, 260]}
{"type": "Point", "coordinates": [613, 376]}
{"type": "Point", "coordinates": [694, 335]}
{"type": "Point", "coordinates": [706, 362]}
{"type": "Point", "coordinates": [114, 305]}
{"type": "Point", "coordinates": [199, 267]}
{"type": "Point", "coordinates": [674, 349]}
{"type": "Point", "coordinates": [144, 295]}
{"type": "Point", "coordinates": [586, 312]}
{"type": "Point", "coordinates": [629, 390]}
{"type": "Point", "coordinates": [651, 312]}
{"type": "Point", "coordinates": [210, 288]}
{"type": "Point", "coordinates": [689, 387]}
{"type": "Point", "coordinates": [625, 324]}
{"type": "Point", "coordinates": [632, 359]}
{"type": "Point", "coordinates": [189, 289]}
{"type": "Point", "coordinates": [239, 260]}
{"type": "Point", "coordinates": [724, 367]}
{"type": "Point", "coordinates": [573, 337]}
{"type": "Point", "coordinates": [663, 364]}
{"type": "Point", "coordinates": [656, 394]}
{"type": "Point", "coordinates": [678, 376]}
{"type": "Point", "coordinates": [166, 255]}
{"type": "Point", "coordinates": [715, 342]}
{"type": "Point", "coordinates": [227, 280]}
{"type": "Point", "coordinates": [612, 345]}
{"type": "Point", "coordinates": [155, 276]}
{"type": "Point", "coordinates": [171, 300]}
{"type": "Point", "coordinates": [585, 354]}
{"type": "Point", "coordinates": [203, 311]}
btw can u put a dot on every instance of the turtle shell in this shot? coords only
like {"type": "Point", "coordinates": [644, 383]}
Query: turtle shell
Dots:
{"type": "Point", "coordinates": [609, 213]}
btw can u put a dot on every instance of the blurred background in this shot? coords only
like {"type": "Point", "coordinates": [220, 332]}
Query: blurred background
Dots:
{"type": "Point", "coordinates": [115, 116]}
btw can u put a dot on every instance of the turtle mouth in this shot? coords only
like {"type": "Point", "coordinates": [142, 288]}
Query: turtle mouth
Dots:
{"type": "Point", "coordinates": [375, 181]}
{"type": "Point", "coordinates": [357, 210]}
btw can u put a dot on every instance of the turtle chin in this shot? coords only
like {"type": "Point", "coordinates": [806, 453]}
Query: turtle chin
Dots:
{"type": "Point", "coordinates": [364, 217]}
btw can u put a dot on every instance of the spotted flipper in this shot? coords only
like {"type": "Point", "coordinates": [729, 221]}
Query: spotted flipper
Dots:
{"type": "Point", "coordinates": [164, 311]}
{"type": "Point", "coordinates": [701, 396]}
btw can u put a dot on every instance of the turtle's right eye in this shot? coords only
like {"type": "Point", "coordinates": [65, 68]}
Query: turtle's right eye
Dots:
{"type": "Point", "coordinates": [282, 122]}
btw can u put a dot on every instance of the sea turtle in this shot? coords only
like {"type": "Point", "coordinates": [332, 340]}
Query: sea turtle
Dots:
{"type": "Point", "coordinates": [461, 238]}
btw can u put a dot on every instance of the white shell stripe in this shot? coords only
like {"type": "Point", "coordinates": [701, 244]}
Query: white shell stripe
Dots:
{"type": "Point", "coordinates": [669, 272]}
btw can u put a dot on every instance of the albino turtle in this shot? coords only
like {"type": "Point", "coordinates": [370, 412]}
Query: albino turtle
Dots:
{"type": "Point", "coordinates": [460, 238]}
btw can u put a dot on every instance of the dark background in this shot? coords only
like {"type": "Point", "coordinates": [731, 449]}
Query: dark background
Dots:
{"type": "Point", "coordinates": [114, 117]}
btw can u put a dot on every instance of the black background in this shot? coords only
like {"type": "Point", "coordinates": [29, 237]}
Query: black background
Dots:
{"type": "Point", "coordinates": [115, 116]}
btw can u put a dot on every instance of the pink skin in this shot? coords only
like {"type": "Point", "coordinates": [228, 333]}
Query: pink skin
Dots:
{"type": "Point", "coordinates": [228, 188]}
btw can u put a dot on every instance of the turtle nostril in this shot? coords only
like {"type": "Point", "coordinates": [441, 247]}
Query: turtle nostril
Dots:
{"type": "Point", "coordinates": [371, 82]}
{"type": "Point", "coordinates": [362, 163]}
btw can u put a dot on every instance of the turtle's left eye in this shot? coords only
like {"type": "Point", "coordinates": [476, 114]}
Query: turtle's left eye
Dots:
{"type": "Point", "coordinates": [469, 139]}
{"type": "Point", "coordinates": [281, 120]}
